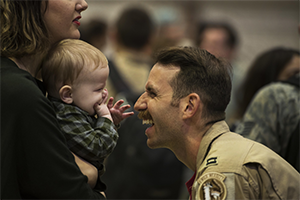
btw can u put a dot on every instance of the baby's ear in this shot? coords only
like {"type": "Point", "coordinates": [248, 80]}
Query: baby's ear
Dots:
{"type": "Point", "coordinates": [65, 94]}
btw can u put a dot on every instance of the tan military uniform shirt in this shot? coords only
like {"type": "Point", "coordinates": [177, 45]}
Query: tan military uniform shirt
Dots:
{"type": "Point", "coordinates": [232, 167]}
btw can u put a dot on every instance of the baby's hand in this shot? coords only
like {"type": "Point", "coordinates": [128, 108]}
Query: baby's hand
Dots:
{"type": "Point", "coordinates": [102, 109]}
{"type": "Point", "coordinates": [117, 112]}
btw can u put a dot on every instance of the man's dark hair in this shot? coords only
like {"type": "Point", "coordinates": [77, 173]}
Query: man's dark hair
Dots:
{"type": "Point", "coordinates": [134, 28]}
{"type": "Point", "coordinates": [201, 73]}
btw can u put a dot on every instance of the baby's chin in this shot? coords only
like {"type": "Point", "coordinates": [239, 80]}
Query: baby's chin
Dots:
{"type": "Point", "coordinates": [93, 113]}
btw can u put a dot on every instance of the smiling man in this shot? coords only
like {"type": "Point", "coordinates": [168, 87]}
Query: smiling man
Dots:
{"type": "Point", "coordinates": [186, 95]}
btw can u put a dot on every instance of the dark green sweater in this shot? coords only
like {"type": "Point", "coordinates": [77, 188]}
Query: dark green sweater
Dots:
{"type": "Point", "coordinates": [35, 161]}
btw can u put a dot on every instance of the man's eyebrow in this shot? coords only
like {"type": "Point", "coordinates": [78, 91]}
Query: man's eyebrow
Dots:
{"type": "Point", "coordinates": [150, 88]}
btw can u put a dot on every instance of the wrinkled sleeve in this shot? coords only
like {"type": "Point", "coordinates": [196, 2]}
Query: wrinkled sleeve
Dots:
{"type": "Point", "coordinates": [255, 183]}
{"type": "Point", "coordinates": [92, 140]}
{"type": "Point", "coordinates": [271, 116]}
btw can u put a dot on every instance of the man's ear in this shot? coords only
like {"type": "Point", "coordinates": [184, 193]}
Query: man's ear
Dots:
{"type": "Point", "coordinates": [65, 94]}
{"type": "Point", "coordinates": [191, 104]}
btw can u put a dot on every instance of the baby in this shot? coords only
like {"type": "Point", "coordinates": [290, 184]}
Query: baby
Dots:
{"type": "Point", "coordinates": [75, 73]}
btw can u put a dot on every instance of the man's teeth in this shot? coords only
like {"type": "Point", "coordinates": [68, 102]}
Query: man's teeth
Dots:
{"type": "Point", "coordinates": [147, 121]}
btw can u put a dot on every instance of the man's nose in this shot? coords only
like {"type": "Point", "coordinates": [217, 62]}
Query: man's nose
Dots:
{"type": "Point", "coordinates": [140, 104]}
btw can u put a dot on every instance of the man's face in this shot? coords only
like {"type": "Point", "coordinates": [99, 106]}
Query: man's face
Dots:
{"type": "Point", "coordinates": [155, 107]}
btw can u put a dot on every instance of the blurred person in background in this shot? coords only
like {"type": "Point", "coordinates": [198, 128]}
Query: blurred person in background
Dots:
{"type": "Point", "coordinates": [273, 116]}
{"type": "Point", "coordinates": [276, 64]}
{"type": "Point", "coordinates": [218, 38]}
{"type": "Point", "coordinates": [171, 30]}
{"type": "Point", "coordinates": [95, 33]}
{"type": "Point", "coordinates": [133, 170]}
{"type": "Point", "coordinates": [221, 39]}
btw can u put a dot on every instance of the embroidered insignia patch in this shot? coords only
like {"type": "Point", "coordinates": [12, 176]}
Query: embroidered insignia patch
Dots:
{"type": "Point", "coordinates": [212, 186]}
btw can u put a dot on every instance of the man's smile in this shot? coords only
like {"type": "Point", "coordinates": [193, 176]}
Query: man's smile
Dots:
{"type": "Point", "coordinates": [148, 121]}
{"type": "Point", "coordinates": [146, 117]}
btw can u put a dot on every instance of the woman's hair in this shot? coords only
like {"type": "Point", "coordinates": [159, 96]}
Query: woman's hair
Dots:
{"type": "Point", "coordinates": [66, 60]}
{"type": "Point", "coordinates": [201, 73]}
{"type": "Point", "coordinates": [23, 31]}
{"type": "Point", "coordinates": [264, 70]}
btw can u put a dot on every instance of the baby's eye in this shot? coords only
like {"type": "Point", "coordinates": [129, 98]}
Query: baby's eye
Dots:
{"type": "Point", "coordinates": [99, 90]}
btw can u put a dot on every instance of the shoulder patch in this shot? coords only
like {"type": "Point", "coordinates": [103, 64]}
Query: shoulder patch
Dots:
{"type": "Point", "coordinates": [211, 186]}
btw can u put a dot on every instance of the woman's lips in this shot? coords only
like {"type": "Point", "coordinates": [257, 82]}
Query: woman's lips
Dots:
{"type": "Point", "coordinates": [76, 20]}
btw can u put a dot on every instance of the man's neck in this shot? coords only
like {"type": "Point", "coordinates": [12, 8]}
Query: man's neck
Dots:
{"type": "Point", "coordinates": [190, 147]}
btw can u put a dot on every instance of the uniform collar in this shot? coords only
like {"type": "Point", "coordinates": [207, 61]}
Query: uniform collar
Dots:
{"type": "Point", "coordinates": [214, 132]}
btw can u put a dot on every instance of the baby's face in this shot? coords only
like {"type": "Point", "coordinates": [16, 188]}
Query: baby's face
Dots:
{"type": "Point", "coordinates": [90, 88]}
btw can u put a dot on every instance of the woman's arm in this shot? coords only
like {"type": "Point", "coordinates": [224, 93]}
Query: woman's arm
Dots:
{"type": "Point", "coordinates": [87, 169]}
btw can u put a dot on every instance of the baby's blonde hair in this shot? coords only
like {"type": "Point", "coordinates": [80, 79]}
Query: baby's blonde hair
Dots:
{"type": "Point", "coordinates": [66, 60]}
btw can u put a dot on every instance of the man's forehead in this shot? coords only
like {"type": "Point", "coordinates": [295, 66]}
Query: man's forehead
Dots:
{"type": "Point", "coordinates": [160, 77]}
{"type": "Point", "coordinates": [161, 88]}
{"type": "Point", "coordinates": [160, 73]}
{"type": "Point", "coordinates": [163, 71]}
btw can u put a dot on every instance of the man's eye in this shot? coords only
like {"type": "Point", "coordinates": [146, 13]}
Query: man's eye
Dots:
{"type": "Point", "coordinates": [152, 94]}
